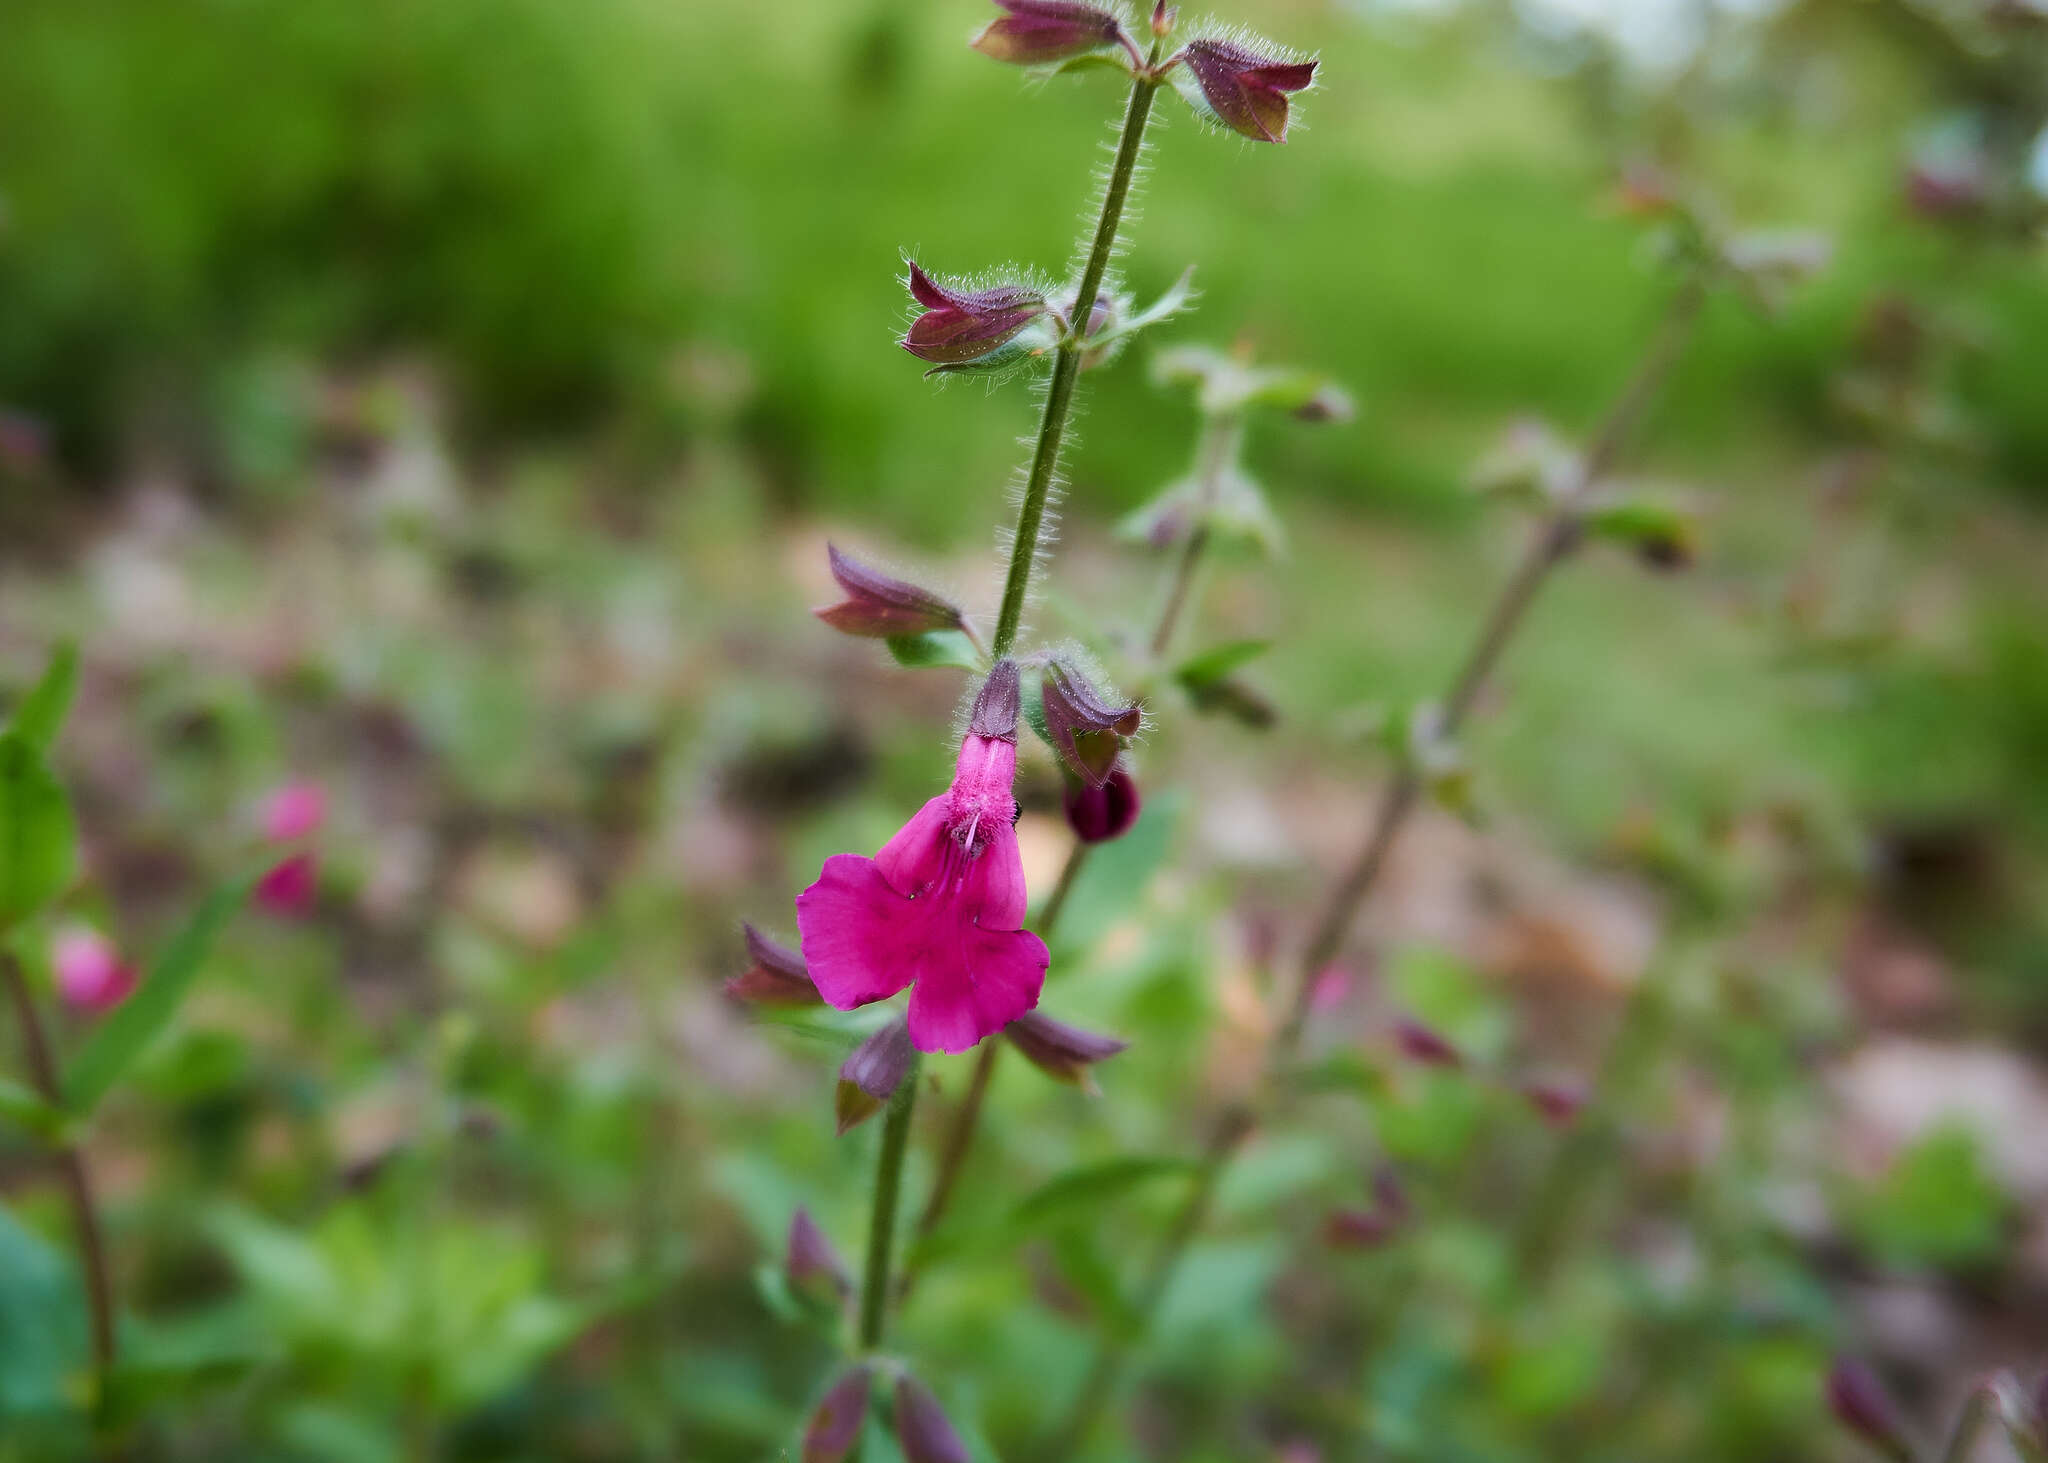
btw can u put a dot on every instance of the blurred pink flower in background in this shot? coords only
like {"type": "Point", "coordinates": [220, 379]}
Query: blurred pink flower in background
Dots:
{"type": "Point", "coordinates": [294, 811]}
{"type": "Point", "coordinates": [291, 887]}
{"type": "Point", "coordinates": [91, 976]}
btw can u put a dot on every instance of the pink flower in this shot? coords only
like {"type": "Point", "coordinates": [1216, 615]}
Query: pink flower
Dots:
{"type": "Point", "coordinates": [291, 888]}
{"type": "Point", "coordinates": [941, 907]}
{"type": "Point", "coordinates": [294, 811]}
{"type": "Point", "coordinates": [91, 975]}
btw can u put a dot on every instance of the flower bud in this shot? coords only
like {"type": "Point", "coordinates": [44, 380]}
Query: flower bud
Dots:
{"type": "Point", "coordinates": [1421, 1044]}
{"type": "Point", "coordinates": [91, 976]}
{"type": "Point", "coordinates": [1062, 1052]}
{"type": "Point", "coordinates": [1086, 730]}
{"type": "Point", "coordinates": [1558, 1100]}
{"type": "Point", "coordinates": [1861, 1404]}
{"type": "Point", "coordinates": [880, 607]}
{"type": "Point", "coordinates": [1242, 88]}
{"type": "Point", "coordinates": [777, 977]}
{"type": "Point", "coordinates": [960, 326]}
{"type": "Point", "coordinates": [870, 1076]}
{"type": "Point", "coordinates": [812, 1265]}
{"type": "Point", "coordinates": [1041, 31]}
{"type": "Point", "coordinates": [1164, 18]}
{"type": "Point", "coordinates": [291, 888]}
{"type": "Point", "coordinates": [997, 706]}
{"type": "Point", "coordinates": [294, 811]}
{"type": "Point", "coordinates": [1359, 1229]}
{"type": "Point", "coordinates": [833, 1432]}
{"type": "Point", "coordinates": [922, 1430]}
{"type": "Point", "coordinates": [1100, 814]}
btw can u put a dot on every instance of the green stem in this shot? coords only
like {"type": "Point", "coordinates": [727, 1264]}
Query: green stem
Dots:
{"type": "Point", "coordinates": [1059, 393]}
{"type": "Point", "coordinates": [1221, 438]}
{"type": "Point", "coordinates": [92, 1247]}
{"type": "Point", "coordinates": [874, 1292]}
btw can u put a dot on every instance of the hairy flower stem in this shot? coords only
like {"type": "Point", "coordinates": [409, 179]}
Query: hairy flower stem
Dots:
{"type": "Point", "coordinates": [1059, 393]}
{"type": "Point", "coordinates": [1555, 539]}
{"type": "Point", "coordinates": [874, 1290]}
{"type": "Point", "coordinates": [92, 1248]}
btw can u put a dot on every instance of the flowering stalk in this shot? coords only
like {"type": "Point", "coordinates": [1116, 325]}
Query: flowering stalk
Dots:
{"type": "Point", "coordinates": [1555, 539]}
{"type": "Point", "coordinates": [92, 1248]}
{"type": "Point", "coordinates": [874, 1289]}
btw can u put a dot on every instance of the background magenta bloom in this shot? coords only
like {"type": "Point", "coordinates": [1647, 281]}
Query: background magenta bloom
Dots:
{"type": "Point", "coordinates": [91, 976]}
{"type": "Point", "coordinates": [940, 909]}
{"type": "Point", "coordinates": [291, 887]}
{"type": "Point", "coordinates": [294, 811]}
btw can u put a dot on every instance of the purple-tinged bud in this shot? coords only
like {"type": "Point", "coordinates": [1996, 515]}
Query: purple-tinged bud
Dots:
{"type": "Point", "coordinates": [999, 703]}
{"type": "Point", "coordinates": [870, 1076]}
{"type": "Point", "coordinates": [922, 1429]}
{"type": "Point", "coordinates": [1164, 18]}
{"type": "Point", "coordinates": [959, 326]}
{"type": "Point", "coordinates": [879, 607]}
{"type": "Point", "coordinates": [1244, 89]}
{"type": "Point", "coordinates": [1392, 1195]}
{"type": "Point", "coordinates": [1035, 32]}
{"type": "Point", "coordinates": [1101, 814]}
{"type": "Point", "coordinates": [1062, 1052]}
{"type": "Point", "coordinates": [812, 1265]}
{"type": "Point", "coordinates": [1861, 1404]}
{"type": "Point", "coordinates": [1421, 1044]}
{"type": "Point", "coordinates": [1086, 730]}
{"type": "Point", "coordinates": [1558, 1100]}
{"type": "Point", "coordinates": [834, 1429]}
{"type": "Point", "coordinates": [1359, 1229]}
{"type": "Point", "coordinates": [777, 977]}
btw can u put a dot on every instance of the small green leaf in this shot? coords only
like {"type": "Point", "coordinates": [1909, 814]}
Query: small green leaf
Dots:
{"type": "Point", "coordinates": [1093, 1185]}
{"type": "Point", "coordinates": [41, 711]}
{"type": "Point", "coordinates": [144, 1015]}
{"type": "Point", "coordinates": [1233, 698]}
{"type": "Point", "coordinates": [1664, 536]}
{"type": "Point", "coordinates": [42, 1325]}
{"type": "Point", "coordinates": [27, 1109]}
{"type": "Point", "coordinates": [1211, 666]}
{"type": "Point", "coordinates": [934, 648]}
{"type": "Point", "coordinates": [1093, 61]}
{"type": "Point", "coordinates": [38, 840]}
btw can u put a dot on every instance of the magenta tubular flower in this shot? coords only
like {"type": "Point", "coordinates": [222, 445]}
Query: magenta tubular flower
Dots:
{"type": "Point", "coordinates": [91, 976]}
{"type": "Point", "coordinates": [1100, 814]}
{"type": "Point", "coordinates": [1244, 90]}
{"type": "Point", "coordinates": [941, 907]}
{"type": "Point", "coordinates": [777, 976]}
{"type": "Point", "coordinates": [962, 326]}
{"type": "Point", "coordinates": [294, 811]}
{"type": "Point", "coordinates": [1037, 32]}
{"type": "Point", "coordinates": [879, 606]}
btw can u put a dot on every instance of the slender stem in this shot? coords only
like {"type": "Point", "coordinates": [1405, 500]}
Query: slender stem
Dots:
{"type": "Point", "coordinates": [92, 1247]}
{"type": "Point", "coordinates": [1059, 393]}
{"type": "Point", "coordinates": [1220, 439]}
{"type": "Point", "coordinates": [874, 1291]}
{"type": "Point", "coordinates": [1553, 541]}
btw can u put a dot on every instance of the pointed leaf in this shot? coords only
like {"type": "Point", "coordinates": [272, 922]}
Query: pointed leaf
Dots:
{"type": "Point", "coordinates": [38, 839]}
{"type": "Point", "coordinates": [950, 648]}
{"type": "Point", "coordinates": [1211, 666]}
{"type": "Point", "coordinates": [139, 1020]}
{"type": "Point", "coordinates": [41, 712]}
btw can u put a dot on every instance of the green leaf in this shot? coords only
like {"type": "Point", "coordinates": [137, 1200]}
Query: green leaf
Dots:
{"type": "Point", "coordinates": [1663, 535]}
{"type": "Point", "coordinates": [38, 840]}
{"type": "Point", "coordinates": [1092, 1185]}
{"type": "Point", "coordinates": [1094, 61]}
{"type": "Point", "coordinates": [934, 648]}
{"type": "Point", "coordinates": [41, 711]}
{"type": "Point", "coordinates": [1211, 666]}
{"type": "Point", "coordinates": [144, 1015]}
{"type": "Point", "coordinates": [1233, 698]}
{"type": "Point", "coordinates": [42, 1324]}
{"type": "Point", "coordinates": [27, 1109]}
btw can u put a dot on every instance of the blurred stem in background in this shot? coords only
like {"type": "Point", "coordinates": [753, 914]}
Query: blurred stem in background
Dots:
{"type": "Point", "coordinates": [1221, 436]}
{"type": "Point", "coordinates": [1558, 535]}
{"type": "Point", "coordinates": [1044, 471]}
{"type": "Point", "coordinates": [92, 1248]}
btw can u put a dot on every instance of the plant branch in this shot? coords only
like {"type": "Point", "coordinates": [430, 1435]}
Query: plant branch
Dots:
{"type": "Point", "coordinates": [1553, 541]}
{"type": "Point", "coordinates": [874, 1291]}
{"type": "Point", "coordinates": [1059, 392]}
{"type": "Point", "coordinates": [92, 1248]}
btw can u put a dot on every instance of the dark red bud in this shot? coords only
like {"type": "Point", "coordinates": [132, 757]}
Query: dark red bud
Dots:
{"type": "Point", "coordinates": [834, 1429]}
{"type": "Point", "coordinates": [1062, 1052]}
{"type": "Point", "coordinates": [1246, 90]}
{"type": "Point", "coordinates": [878, 606]}
{"type": "Point", "coordinates": [1100, 814]}
{"type": "Point", "coordinates": [922, 1428]}
{"type": "Point", "coordinates": [997, 707]}
{"type": "Point", "coordinates": [959, 326]}
{"type": "Point", "coordinates": [810, 1262]}
{"type": "Point", "coordinates": [1164, 18]}
{"type": "Point", "coordinates": [1086, 730]}
{"type": "Point", "coordinates": [870, 1076]}
{"type": "Point", "coordinates": [1040, 31]}
{"type": "Point", "coordinates": [777, 977]}
{"type": "Point", "coordinates": [1359, 1229]}
{"type": "Point", "coordinates": [1861, 1404]}
{"type": "Point", "coordinates": [1420, 1044]}
{"type": "Point", "coordinates": [1558, 1099]}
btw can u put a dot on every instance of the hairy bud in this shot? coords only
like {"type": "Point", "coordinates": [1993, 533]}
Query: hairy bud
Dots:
{"type": "Point", "coordinates": [997, 707]}
{"type": "Point", "coordinates": [1084, 728]}
{"type": "Point", "coordinates": [1037, 32]}
{"type": "Point", "coordinates": [880, 607]}
{"type": "Point", "coordinates": [1242, 88]}
{"type": "Point", "coordinates": [777, 976]}
{"type": "Point", "coordinates": [959, 326]}
{"type": "Point", "coordinates": [870, 1076]}
{"type": "Point", "coordinates": [833, 1432]}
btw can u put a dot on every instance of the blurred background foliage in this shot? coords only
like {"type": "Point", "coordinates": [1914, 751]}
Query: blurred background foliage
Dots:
{"type": "Point", "coordinates": [448, 401]}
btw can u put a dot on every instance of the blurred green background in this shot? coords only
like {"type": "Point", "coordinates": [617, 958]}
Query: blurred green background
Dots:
{"type": "Point", "coordinates": [448, 400]}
